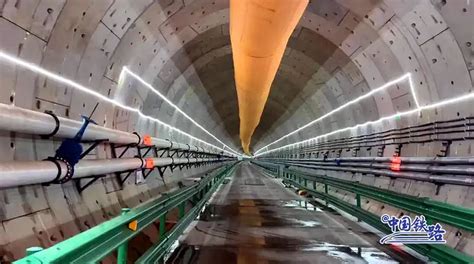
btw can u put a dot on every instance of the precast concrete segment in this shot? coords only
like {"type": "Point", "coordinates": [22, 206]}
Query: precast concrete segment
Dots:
{"type": "Point", "coordinates": [259, 33]}
{"type": "Point", "coordinates": [254, 219]}
{"type": "Point", "coordinates": [125, 70]}
{"type": "Point", "coordinates": [392, 83]}
{"type": "Point", "coordinates": [398, 115]}
{"type": "Point", "coordinates": [87, 90]}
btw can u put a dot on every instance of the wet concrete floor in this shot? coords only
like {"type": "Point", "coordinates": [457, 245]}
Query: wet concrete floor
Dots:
{"type": "Point", "coordinates": [254, 219]}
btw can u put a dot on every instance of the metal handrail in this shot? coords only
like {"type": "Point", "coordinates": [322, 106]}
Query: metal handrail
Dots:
{"type": "Point", "coordinates": [463, 217]}
{"type": "Point", "coordinates": [461, 174]}
{"type": "Point", "coordinates": [98, 242]}
{"type": "Point", "coordinates": [158, 251]}
{"type": "Point", "coordinates": [450, 214]}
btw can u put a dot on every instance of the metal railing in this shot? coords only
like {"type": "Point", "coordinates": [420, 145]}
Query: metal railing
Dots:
{"type": "Point", "coordinates": [98, 242]}
{"type": "Point", "coordinates": [452, 215]}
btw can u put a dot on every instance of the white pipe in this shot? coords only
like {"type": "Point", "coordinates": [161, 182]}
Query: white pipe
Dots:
{"type": "Point", "coordinates": [28, 172]}
{"type": "Point", "coordinates": [26, 121]}
{"type": "Point", "coordinates": [21, 120]}
{"type": "Point", "coordinates": [87, 168]}
{"type": "Point", "coordinates": [20, 173]}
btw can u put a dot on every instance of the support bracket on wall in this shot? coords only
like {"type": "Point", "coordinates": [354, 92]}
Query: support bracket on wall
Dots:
{"type": "Point", "coordinates": [380, 151]}
{"type": "Point", "coordinates": [94, 145]}
{"type": "Point", "coordinates": [81, 187]}
{"type": "Point", "coordinates": [398, 150]}
{"type": "Point", "coordinates": [121, 180]}
{"type": "Point", "coordinates": [355, 152]}
{"type": "Point", "coordinates": [445, 150]}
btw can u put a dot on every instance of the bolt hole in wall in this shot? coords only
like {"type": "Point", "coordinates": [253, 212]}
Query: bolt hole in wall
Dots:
{"type": "Point", "coordinates": [125, 72]}
{"type": "Point", "coordinates": [418, 109]}
{"type": "Point", "coordinates": [70, 83]}
{"type": "Point", "coordinates": [325, 12]}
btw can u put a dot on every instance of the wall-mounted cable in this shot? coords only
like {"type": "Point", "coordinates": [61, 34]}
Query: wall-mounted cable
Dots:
{"type": "Point", "coordinates": [403, 78]}
{"type": "Point", "coordinates": [390, 117]}
{"type": "Point", "coordinates": [126, 71]}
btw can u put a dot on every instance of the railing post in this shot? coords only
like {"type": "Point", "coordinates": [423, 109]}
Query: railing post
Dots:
{"type": "Point", "coordinates": [182, 210]}
{"type": "Point", "coordinates": [32, 250]}
{"type": "Point", "coordinates": [326, 192]}
{"type": "Point", "coordinates": [196, 198]}
{"type": "Point", "coordinates": [162, 226]}
{"type": "Point", "coordinates": [358, 203]}
{"type": "Point", "coordinates": [122, 249]}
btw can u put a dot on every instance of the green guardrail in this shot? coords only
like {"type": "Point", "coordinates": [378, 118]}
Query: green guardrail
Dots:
{"type": "Point", "coordinates": [433, 210]}
{"type": "Point", "coordinates": [93, 245]}
{"type": "Point", "coordinates": [158, 251]}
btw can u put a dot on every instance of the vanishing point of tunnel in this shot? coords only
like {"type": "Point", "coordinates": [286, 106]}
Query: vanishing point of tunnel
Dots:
{"type": "Point", "coordinates": [236, 131]}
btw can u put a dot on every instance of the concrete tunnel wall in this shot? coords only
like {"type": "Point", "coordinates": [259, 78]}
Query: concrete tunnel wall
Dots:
{"type": "Point", "coordinates": [340, 50]}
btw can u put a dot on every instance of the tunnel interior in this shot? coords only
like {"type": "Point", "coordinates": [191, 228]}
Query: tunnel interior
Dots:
{"type": "Point", "coordinates": [374, 92]}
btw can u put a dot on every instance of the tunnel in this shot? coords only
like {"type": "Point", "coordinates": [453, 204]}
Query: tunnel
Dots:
{"type": "Point", "coordinates": [121, 131]}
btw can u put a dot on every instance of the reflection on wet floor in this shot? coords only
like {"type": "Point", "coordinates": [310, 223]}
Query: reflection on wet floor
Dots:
{"type": "Point", "coordinates": [258, 213]}
{"type": "Point", "coordinates": [301, 205]}
{"type": "Point", "coordinates": [253, 219]}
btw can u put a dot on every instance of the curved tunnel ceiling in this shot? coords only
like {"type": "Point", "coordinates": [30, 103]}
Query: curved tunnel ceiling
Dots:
{"type": "Point", "coordinates": [180, 45]}
{"type": "Point", "coordinates": [340, 50]}
{"type": "Point", "coordinates": [306, 55]}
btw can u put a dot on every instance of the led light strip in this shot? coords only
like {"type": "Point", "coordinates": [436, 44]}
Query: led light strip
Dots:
{"type": "Point", "coordinates": [125, 71]}
{"type": "Point", "coordinates": [397, 115]}
{"type": "Point", "coordinates": [68, 82]}
{"type": "Point", "coordinates": [406, 76]}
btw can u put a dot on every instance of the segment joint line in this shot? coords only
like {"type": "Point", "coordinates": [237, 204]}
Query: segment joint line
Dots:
{"type": "Point", "coordinates": [125, 71]}
{"type": "Point", "coordinates": [70, 83]}
{"type": "Point", "coordinates": [419, 108]}
{"type": "Point", "coordinates": [404, 77]}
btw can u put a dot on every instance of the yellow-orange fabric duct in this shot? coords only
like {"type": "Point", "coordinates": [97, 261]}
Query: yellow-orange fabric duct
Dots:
{"type": "Point", "coordinates": [259, 31]}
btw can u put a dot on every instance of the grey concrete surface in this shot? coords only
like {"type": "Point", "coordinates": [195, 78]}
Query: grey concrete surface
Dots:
{"type": "Point", "coordinates": [341, 49]}
{"type": "Point", "coordinates": [255, 219]}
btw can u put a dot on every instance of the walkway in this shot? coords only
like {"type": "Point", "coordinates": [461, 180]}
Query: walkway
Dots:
{"type": "Point", "coordinates": [254, 219]}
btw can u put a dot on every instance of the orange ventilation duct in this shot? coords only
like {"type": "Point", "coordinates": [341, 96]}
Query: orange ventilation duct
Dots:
{"type": "Point", "coordinates": [259, 31]}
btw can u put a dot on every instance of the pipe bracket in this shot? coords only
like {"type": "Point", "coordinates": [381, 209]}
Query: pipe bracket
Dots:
{"type": "Point", "coordinates": [69, 172]}
{"type": "Point", "coordinates": [56, 129]}
{"type": "Point", "coordinates": [58, 176]}
{"type": "Point", "coordinates": [139, 140]}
